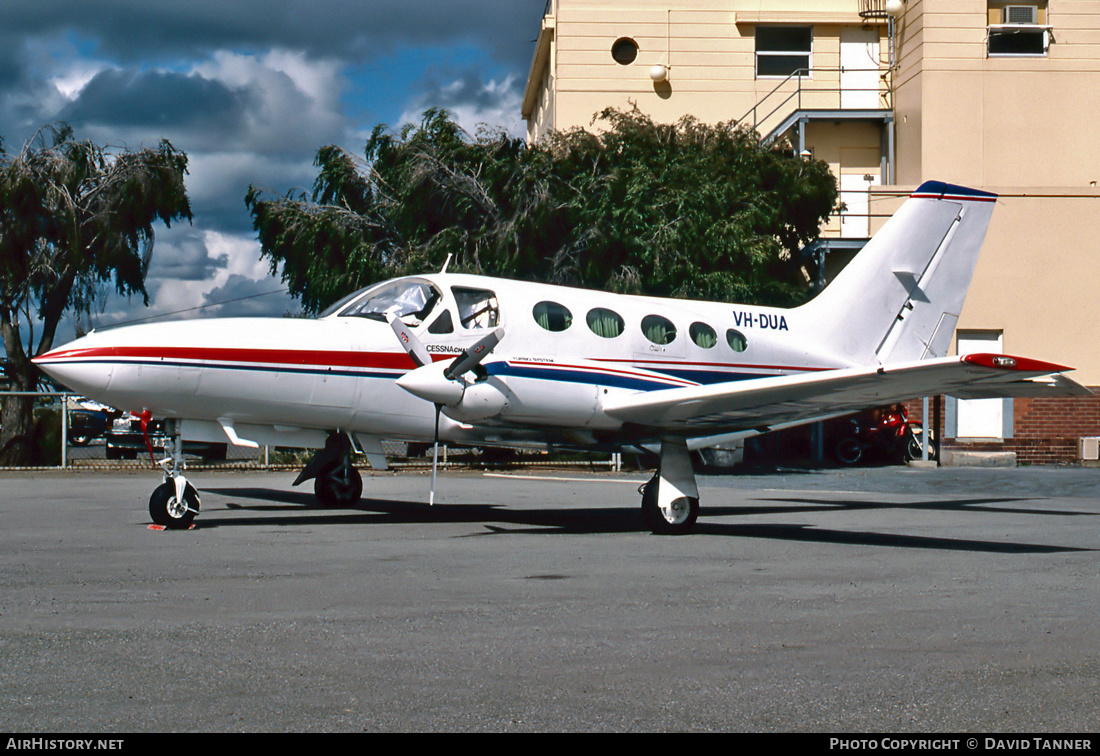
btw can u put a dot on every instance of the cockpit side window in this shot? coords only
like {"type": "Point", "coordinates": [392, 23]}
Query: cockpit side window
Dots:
{"type": "Point", "coordinates": [442, 324]}
{"type": "Point", "coordinates": [412, 301]}
{"type": "Point", "coordinates": [477, 308]}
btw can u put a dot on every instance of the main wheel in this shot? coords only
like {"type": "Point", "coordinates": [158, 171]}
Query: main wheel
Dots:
{"type": "Point", "coordinates": [167, 511]}
{"type": "Point", "coordinates": [681, 519]}
{"type": "Point", "coordinates": [338, 487]}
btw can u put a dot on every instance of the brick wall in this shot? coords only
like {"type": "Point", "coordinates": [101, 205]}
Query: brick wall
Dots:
{"type": "Point", "coordinates": [1045, 430]}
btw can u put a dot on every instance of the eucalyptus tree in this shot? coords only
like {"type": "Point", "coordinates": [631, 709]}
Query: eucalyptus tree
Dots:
{"type": "Point", "coordinates": [75, 220]}
{"type": "Point", "coordinates": [684, 209]}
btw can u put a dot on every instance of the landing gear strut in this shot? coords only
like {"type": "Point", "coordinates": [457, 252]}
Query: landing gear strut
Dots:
{"type": "Point", "coordinates": [175, 502]}
{"type": "Point", "coordinates": [670, 500]}
{"type": "Point", "coordinates": [336, 481]}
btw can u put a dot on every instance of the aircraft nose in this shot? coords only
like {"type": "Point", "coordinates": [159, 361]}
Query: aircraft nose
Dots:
{"type": "Point", "coordinates": [78, 365]}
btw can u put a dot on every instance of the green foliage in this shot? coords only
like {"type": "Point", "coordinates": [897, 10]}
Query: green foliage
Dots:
{"type": "Point", "coordinates": [685, 209]}
{"type": "Point", "coordinates": [74, 217]}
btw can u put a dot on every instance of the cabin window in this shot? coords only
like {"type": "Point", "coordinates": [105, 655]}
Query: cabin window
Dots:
{"type": "Point", "coordinates": [605, 323]}
{"type": "Point", "coordinates": [477, 308]}
{"type": "Point", "coordinates": [659, 330]}
{"type": "Point", "coordinates": [412, 301]}
{"type": "Point", "coordinates": [736, 340]}
{"type": "Point", "coordinates": [442, 324]}
{"type": "Point", "coordinates": [552, 316]}
{"type": "Point", "coordinates": [703, 335]}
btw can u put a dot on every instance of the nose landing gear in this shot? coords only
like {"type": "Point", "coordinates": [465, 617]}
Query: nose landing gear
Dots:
{"type": "Point", "coordinates": [175, 502]}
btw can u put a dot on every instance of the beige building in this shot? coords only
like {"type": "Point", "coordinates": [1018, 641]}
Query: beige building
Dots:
{"type": "Point", "coordinates": [997, 95]}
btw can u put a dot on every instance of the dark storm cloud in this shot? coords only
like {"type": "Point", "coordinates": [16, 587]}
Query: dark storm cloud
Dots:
{"type": "Point", "coordinates": [164, 100]}
{"type": "Point", "coordinates": [250, 89]}
{"type": "Point", "coordinates": [182, 255]}
{"type": "Point", "coordinates": [140, 29]}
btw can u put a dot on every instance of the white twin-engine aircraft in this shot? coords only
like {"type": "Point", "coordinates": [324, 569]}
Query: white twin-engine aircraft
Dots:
{"type": "Point", "coordinates": [473, 360]}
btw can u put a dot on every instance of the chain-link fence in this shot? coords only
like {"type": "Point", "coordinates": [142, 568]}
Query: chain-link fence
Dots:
{"type": "Point", "coordinates": [72, 432]}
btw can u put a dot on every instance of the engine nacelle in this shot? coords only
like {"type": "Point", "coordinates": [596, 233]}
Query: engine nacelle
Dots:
{"type": "Point", "coordinates": [460, 399]}
{"type": "Point", "coordinates": [480, 401]}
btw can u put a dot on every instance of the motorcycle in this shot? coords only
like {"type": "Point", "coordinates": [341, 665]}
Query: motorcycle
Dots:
{"type": "Point", "coordinates": [885, 433]}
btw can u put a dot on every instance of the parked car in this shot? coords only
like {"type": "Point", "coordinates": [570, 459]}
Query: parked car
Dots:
{"type": "Point", "coordinates": [88, 419]}
{"type": "Point", "coordinates": [125, 440]}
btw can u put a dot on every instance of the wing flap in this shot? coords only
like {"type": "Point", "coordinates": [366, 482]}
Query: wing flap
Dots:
{"type": "Point", "coordinates": [783, 400]}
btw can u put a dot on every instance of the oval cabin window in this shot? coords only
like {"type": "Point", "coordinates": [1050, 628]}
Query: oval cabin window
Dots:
{"type": "Point", "coordinates": [552, 316]}
{"type": "Point", "coordinates": [605, 323]}
{"type": "Point", "coordinates": [659, 330]}
{"type": "Point", "coordinates": [703, 335]}
{"type": "Point", "coordinates": [736, 340]}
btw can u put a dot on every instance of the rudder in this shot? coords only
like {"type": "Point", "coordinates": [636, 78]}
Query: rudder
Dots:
{"type": "Point", "coordinates": [898, 300]}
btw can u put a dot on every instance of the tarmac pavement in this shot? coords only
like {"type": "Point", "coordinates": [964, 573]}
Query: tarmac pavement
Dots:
{"type": "Point", "coordinates": [884, 600]}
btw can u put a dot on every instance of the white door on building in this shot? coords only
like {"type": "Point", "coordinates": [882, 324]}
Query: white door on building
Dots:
{"type": "Point", "coordinates": [980, 418]}
{"type": "Point", "coordinates": [859, 67]}
{"type": "Point", "coordinates": [855, 193]}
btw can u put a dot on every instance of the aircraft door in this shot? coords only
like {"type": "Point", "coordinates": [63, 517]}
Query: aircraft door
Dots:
{"type": "Point", "coordinates": [334, 386]}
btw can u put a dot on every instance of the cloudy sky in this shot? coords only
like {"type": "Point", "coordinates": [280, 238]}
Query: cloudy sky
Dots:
{"type": "Point", "coordinates": [249, 89]}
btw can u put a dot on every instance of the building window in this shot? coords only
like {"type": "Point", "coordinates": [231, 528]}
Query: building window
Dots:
{"type": "Point", "coordinates": [783, 50]}
{"type": "Point", "coordinates": [624, 51]}
{"type": "Point", "coordinates": [1017, 30]}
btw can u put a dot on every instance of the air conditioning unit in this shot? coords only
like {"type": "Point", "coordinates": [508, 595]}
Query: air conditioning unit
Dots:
{"type": "Point", "coordinates": [1089, 448]}
{"type": "Point", "coordinates": [1020, 14]}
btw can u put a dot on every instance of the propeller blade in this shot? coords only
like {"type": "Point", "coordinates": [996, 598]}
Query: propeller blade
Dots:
{"type": "Point", "coordinates": [409, 342]}
{"type": "Point", "coordinates": [472, 357]}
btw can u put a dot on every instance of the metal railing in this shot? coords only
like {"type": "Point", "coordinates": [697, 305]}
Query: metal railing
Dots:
{"type": "Point", "coordinates": [873, 9]}
{"type": "Point", "coordinates": [799, 90]}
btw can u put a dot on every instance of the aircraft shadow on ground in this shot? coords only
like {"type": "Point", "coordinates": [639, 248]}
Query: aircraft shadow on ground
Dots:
{"type": "Point", "coordinates": [290, 508]}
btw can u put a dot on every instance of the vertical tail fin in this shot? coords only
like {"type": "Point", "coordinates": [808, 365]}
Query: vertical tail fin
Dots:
{"type": "Point", "coordinates": [900, 297]}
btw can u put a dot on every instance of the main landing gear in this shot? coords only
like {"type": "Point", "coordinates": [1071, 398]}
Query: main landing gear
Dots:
{"type": "Point", "coordinates": [175, 502]}
{"type": "Point", "coordinates": [336, 482]}
{"type": "Point", "coordinates": [670, 500]}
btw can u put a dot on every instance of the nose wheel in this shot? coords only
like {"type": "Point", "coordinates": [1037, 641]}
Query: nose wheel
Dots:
{"type": "Point", "coordinates": [175, 502]}
{"type": "Point", "coordinates": [172, 510]}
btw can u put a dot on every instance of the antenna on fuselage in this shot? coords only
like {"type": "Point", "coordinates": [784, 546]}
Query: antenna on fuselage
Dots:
{"type": "Point", "coordinates": [447, 262]}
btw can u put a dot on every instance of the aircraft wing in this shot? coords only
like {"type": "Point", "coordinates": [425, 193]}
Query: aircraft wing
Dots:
{"type": "Point", "coordinates": [761, 404]}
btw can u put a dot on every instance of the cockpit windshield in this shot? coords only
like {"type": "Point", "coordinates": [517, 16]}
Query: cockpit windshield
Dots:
{"type": "Point", "coordinates": [404, 298]}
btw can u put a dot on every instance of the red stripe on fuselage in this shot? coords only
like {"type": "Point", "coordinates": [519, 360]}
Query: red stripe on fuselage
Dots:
{"type": "Point", "coordinates": [385, 360]}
